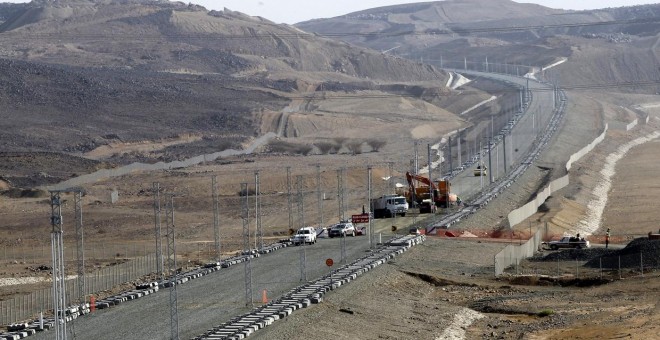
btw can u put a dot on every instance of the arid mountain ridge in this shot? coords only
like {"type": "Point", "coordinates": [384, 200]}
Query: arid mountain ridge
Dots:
{"type": "Point", "coordinates": [165, 69]}
{"type": "Point", "coordinates": [82, 74]}
{"type": "Point", "coordinates": [507, 32]}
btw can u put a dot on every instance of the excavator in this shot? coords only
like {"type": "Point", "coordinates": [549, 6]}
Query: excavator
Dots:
{"type": "Point", "coordinates": [441, 191]}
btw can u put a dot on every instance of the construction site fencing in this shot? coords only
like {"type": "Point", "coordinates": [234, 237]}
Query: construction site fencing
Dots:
{"type": "Point", "coordinates": [28, 306]}
{"type": "Point", "coordinates": [602, 267]}
{"type": "Point", "coordinates": [512, 254]}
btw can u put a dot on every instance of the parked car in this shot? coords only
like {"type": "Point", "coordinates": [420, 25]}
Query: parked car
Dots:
{"type": "Point", "coordinates": [568, 242]}
{"type": "Point", "coordinates": [305, 235]}
{"type": "Point", "coordinates": [414, 231]}
{"type": "Point", "coordinates": [342, 230]}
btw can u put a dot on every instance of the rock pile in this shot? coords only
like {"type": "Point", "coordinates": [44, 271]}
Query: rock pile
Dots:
{"type": "Point", "coordinates": [639, 252]}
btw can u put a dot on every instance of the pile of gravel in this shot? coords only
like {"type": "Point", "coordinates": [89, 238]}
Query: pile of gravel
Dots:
{"type": "Point", "coordinates": [573, 254]}
{"type": "Point", "coordinates": [630, 255]}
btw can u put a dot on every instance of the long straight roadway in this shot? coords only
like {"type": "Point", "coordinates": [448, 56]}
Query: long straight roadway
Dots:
{"type": "Point", "coordinates": [210, 300]}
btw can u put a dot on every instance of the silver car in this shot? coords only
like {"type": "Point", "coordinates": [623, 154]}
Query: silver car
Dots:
{"type": "Point", "coordinates": [342, 230]}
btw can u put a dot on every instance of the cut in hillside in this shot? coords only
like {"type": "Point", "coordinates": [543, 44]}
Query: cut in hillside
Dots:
{"type": "Point", "coordinates": [456, 33]}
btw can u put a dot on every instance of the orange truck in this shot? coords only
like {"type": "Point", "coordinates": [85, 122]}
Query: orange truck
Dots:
{"type": "Point", "coordinates": [421, 186]}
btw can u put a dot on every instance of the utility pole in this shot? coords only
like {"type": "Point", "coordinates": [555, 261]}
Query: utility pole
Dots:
{"type": "Point", "coordinates": [246, 214]}
{"type": "Point", "coordinates": [504, 150]}
{"type": "Point", "coordinates": [481, 165]}
{"type": "Point", "coordinates": [432, 194]}
{"type": "Point", "coordinates": [288, 196]}
{"type": "Point", "coordinates": [157, 225]}
{"type": "Point", "coordinates": [171, 266]}
{"type": "Point", "coordinates": [80, 245]}
{"type": "Point", "coordinates": [390, 170]}
{"type": "Point", "coordinates": [459, 147]}
{"type": "Point", "coordinates": [319, 197]}
{"type": "Point", "coordinates": [451, 167]}
{"type": "Point", "coordinates": [57, 253]}
{"type": "Point", "coordinates": [216, 218]}
{"type": "Point", "coordinates": [416, 162]}
{"type": "Point", "coordinates": [340, 193]}
{"type": "Point", "coordinates": [490, 161]}
{"type": "Point", "coordinates": [371, 231]}
{"type": "Point", "coordinates": [259, 240]}
{"type": "Point", "coordinates": [246, 244]}
{"type": "Point", "coordinates": [301, 220]}
{"type": "Point", "coordinates": [300, 201]}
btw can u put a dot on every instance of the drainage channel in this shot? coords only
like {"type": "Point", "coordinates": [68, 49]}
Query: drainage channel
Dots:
{"type": "Point", "coordinates": [310, 293]}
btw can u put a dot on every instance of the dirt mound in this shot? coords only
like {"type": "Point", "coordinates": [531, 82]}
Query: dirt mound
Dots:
{"type": "Point", "coordinates": [573, 254]}
{"type": "Point", "coordinates": [640, 251]}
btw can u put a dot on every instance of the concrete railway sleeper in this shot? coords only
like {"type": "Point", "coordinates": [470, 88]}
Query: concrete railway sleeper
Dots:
{"type": "Point", "coordinates": [309, 293]}
{"type": "Point", "coordinates": [25, 329]}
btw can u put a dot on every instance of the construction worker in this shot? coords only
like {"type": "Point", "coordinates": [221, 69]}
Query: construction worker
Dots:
{"type": "Point", "coordinates": [607, 238]}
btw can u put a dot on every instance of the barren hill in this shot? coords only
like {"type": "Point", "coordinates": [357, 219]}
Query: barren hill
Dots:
{"type": "Point", "coordinates": [81, 74]}
{"type": "Point", "coordinates": [452, 33]}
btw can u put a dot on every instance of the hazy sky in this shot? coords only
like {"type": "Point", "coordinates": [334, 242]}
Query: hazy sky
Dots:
{"type": "Point", "coordinates": [293, 11]}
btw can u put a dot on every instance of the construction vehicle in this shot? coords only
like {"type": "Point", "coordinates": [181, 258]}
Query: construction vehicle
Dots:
{"type": "Point", "coordinates": [442, 195]}
{"type": "Point", "coordinates": [427, 207]}
{"type": "Point", "coordinates": [389, 206]}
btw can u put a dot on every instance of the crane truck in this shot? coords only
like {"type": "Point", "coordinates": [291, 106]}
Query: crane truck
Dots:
{"type": "Point", "coordinates": [442, 195]}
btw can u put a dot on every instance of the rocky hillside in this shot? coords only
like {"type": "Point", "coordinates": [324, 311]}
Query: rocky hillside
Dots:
{"type": "Point", "coordinates": [77, 74]}
{"type": "Point", "coordinates": [508, 32]}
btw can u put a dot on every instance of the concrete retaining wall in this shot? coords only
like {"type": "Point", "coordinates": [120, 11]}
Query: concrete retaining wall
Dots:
{"type": "Point", "coordinates": [512, 254]}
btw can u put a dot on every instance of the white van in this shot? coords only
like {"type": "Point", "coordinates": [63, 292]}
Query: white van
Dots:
{"type": "Point", "coordinates": [305, 235]}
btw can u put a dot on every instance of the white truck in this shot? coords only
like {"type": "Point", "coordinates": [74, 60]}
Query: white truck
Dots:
{"type": "Point", "coordinates": [568, 242]}
{"type": "Point", "coordinates": [304, 235]}
{"type": "Point", "coordinates": [389, 206]}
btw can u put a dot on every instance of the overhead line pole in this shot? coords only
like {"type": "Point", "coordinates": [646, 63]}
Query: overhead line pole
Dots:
{"type": "Point", "coordinates": [58, 277]}
{"type": "Point", "coordinates": [318, 194]}
{"type": "Point", "coordinates": [80, 245]}
{"type": "Point", "coordinates": [216, 218]}
{"type": "Point", "coordinates": [172, 269]}
{"type": "Point", "coordinates": [157, 230]}
{"type": "Point", "coordinates": [259, 239]}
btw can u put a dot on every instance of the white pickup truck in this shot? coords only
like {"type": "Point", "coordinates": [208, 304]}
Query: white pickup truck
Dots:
{"type": "Point", "coordinates": [568, 242]}
{"type": "Point", "coordinates": [304, 235]}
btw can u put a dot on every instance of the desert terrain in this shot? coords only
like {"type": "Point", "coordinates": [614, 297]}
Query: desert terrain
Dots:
{"type": "Point", "coordinates": [340, 110]}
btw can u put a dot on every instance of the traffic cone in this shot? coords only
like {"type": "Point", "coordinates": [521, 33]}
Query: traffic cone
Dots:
{"type": "Point", "coordinates": [264, 297]}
